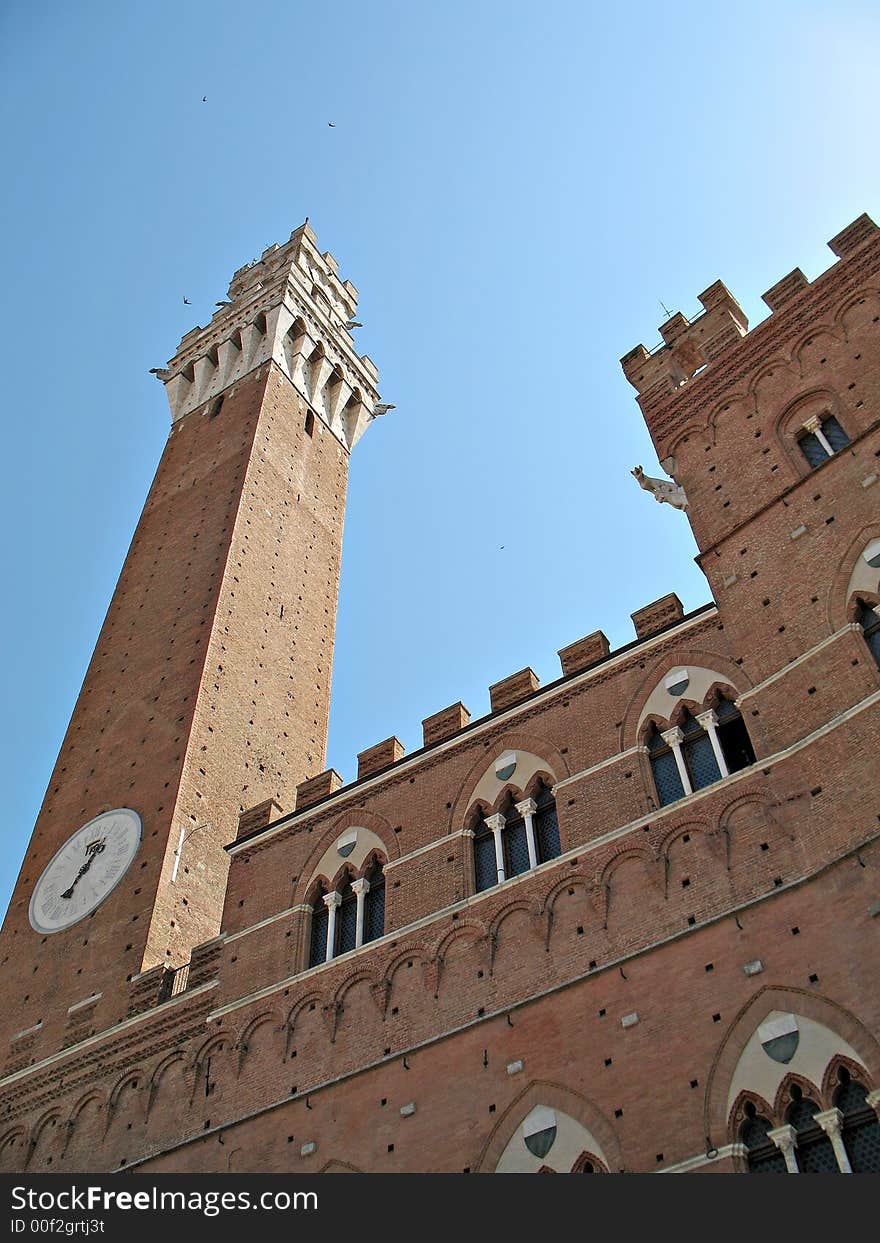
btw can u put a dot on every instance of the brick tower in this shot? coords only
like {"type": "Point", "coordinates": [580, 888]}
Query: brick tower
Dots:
{"type": "Point", "coordinates": [209, 687]}
{"type": "Point", "coordinates": [624, 921]}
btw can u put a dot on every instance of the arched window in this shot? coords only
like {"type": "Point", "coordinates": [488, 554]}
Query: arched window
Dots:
{"type": "Point", "coordinates": [374, 903]}
{"type": "Point", "coordinates": [822, 438]}
{"type": "Point", "coordinates": [546, 824]}
{"type": "Point", "coordinates": [699, 751]}
{"type": "Point", "coordinates": [815, 1152]}
{"type": "Point", "coordinates": [762, 1155]}
{"type": "Point", "coordinates": [485, 866]}
{"type": "Point", "coordinates": [869, 620]}
{"type": "Point", "coordinates": [320, 922]}
{"type": "Point", "coordinates": [860, 1126]}
{"type": "Point", "coordinates": [524, 833]}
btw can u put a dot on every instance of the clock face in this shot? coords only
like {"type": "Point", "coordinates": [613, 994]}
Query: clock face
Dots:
{"type": "Point", "coordinates": [84, 871]}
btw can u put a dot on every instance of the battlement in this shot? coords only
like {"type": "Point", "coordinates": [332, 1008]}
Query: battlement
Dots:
{"type": "Point", "coordinates": [690, 349]}
{"type": "Point", "coordinates": [651, 622]}
{"type": "Point", "coordinates": [290, 307]}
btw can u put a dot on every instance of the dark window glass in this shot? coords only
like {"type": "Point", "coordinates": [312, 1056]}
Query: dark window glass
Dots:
{"type": "Point", "coordinates": [665, 769]}
{"type": "Point", "coordinates": [485, 867]}
{"type": "Point", "coordinates": [813, 449]}
{"type": "Point", "coordinates": [733, 736]}
{"type": "Point", "coordinates": [346, 921]}
{"type": "Point", "coordinates": [815, 1154]}
{"type": "Point", "coordinates": [546, 824]}
{"type": "Point", "coordinates": [700, 760]}
{"type": "Point", "coordinates": [761, 1153]}
{"type": "Point", "coordinates": [318, 944]}
{"type": "Point", "coordinates": [834, 434]}
{"type": "Point", "coordinates": [861, 1128]}
{"type": "Point", "coordinates": [516, 847]}
{"type": "Point", "coordinates": [374, 905]}
{"type": "Point", "coordinates": [869, 620]}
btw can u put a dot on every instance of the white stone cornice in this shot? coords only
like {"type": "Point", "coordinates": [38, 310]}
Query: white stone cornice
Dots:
{"type": "Point", "coordinates": [282, 307]}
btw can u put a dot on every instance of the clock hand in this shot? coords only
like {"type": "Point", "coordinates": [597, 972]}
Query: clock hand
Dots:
{"type": "Point", "coordinates": [93, 851]}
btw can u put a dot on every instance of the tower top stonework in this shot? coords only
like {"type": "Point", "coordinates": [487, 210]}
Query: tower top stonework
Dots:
{"type": "Point", "coordinates": [290, 307]}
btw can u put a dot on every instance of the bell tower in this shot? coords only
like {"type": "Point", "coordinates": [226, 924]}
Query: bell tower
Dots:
{"type": "Point", "coordinates": [208, 691]}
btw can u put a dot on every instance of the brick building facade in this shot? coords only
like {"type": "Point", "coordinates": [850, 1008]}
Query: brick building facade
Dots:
{"type": "Point", "coordinates": [626, 921]}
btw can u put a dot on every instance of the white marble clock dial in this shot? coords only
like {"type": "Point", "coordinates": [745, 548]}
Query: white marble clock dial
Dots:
{"type": "Point", "coordinates": [84, 871]}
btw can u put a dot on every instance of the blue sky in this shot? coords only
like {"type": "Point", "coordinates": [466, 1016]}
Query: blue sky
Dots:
{"type": "Point", "coordinates": [513, 187]}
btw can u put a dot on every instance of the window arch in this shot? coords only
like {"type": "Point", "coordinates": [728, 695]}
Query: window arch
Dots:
{"type": "Point", "coordinates": [521, 835]}
{"type": "Point", "coordinates": [869, 620]}
{"type": "Point", "coordinates": [860, 1127]}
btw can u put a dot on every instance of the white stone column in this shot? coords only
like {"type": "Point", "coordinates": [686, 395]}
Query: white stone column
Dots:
{"type": "Point", "coordinates": [814, 425]}
{"type": "Point", "coordinates": [331, 901]}
{"type": "Point", "coordinates": [830, 1120]}
{"type": "Point", "coordinates": [673, 737]}
{"type": "Point", "coordinates": [496, 824]}
{"type": "Point", "coordinates": [709, 722]}
{"type": "Point", "coordinates": [785, 1138]}
{"type": "Point", "coordinates": [527, 809]}
{"type": "Point", "coordinates": [360, 888]}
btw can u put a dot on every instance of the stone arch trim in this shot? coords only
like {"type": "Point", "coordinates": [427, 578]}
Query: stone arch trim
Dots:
{"type": "Point", "coordinates": [597, 1162]}
{"type": "Point", "coordinates": [793, 1080]}
{"type": "Point", "coordinates": [775, 997]}
{"type": "Point", "coordinates": [830, 1082]}
{"type": "Point", "coordinates": [715, 662]}
{"type": "Point", "coordinates": [840, 607]}
{"type": "Point", "coordinates": [351, 818]}
{"type": "Point", "coordinates": [554, 1096]}
{"type": "Point", "coordinates": [557, 768]}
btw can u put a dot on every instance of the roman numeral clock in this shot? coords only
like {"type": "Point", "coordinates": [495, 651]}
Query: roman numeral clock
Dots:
{"type": "Point", "coordinates": [87, 868]}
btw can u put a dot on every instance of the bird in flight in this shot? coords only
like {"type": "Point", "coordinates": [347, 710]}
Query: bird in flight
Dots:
{"type": "Point", "coordinates": [204, 99]}
{"type": "Point", "coordinates": [332, 124]}
{"type": "Point", "coordinates": [186, 302]}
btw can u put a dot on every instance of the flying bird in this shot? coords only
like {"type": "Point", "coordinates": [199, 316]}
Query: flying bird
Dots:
{"type": "Point", "coordinates": [204, 99]}
{"type": "Point", "coordinates": [331, 124]}
{"type": "Point", "coordinates": [186, 302]}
